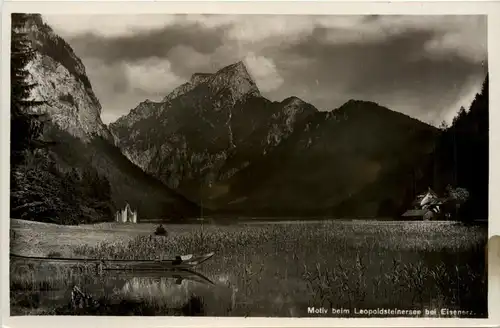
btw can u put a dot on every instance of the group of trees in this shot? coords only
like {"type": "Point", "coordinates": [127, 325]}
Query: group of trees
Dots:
{"type": "Point", "coordinates": [41, 189]}
{"type": "Point", "coordinates": [461, 160]}
{"type": "Point", "coordinates": [47, 192]}
{"type": "Point", "coordinates": [458, 168]}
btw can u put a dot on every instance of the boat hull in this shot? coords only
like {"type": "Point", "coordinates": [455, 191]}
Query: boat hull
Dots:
{"type": "Point", "coordinates": [104, 264]}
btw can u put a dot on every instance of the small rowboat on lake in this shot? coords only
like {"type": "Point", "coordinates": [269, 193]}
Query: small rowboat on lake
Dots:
{"type": "Point", "coordinates": [180, 262]}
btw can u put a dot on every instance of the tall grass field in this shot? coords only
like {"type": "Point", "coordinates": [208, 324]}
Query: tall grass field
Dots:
{"type": "Point", "coordinates": [262, 269]}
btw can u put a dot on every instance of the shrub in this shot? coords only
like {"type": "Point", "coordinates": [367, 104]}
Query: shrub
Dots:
{"type": "Point", "coordinates": [54, 254]}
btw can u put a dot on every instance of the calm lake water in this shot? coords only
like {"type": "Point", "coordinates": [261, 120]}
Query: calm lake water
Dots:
{"type": "Point", "coordinates": [283, 268]}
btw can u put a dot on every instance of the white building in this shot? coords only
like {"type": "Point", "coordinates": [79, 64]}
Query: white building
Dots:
{"type": "Point", "coordinates": [126, 215]}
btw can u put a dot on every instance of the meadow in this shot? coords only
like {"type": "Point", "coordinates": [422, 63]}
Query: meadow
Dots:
{"type": "Point", "coordinates": [259, 269]}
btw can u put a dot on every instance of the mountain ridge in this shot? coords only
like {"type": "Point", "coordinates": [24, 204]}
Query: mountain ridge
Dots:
{"type": "Point", "coordinates": [245, 154]}
{"type": "Point", "coordinates": [235, 76]}
{"type": "Point", "coordinates": [313, 165]}
{"type": "Point", "coordinates": [203, 125]}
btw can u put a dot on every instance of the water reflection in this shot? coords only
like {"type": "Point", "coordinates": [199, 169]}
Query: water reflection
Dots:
{"type": "Point", "coordinates": [175, 276]}
{"type": "Point", "coordinates": [160, 287]}
{"type": "Point", "coordinates": [165, 292]}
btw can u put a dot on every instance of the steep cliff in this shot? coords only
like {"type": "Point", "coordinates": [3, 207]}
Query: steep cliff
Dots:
{"type": "Point", "coordinates": [62, 82]}
{"type": "Point", "coordinates": [82, 141]}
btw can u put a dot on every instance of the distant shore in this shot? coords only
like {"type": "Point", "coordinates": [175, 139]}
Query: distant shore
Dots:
{"type": "Point", "coordinates": [298, 220]}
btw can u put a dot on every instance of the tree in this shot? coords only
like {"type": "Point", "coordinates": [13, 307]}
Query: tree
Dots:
{"type": "Point", "coordinates": [462, 113]}
{"type": "Point", "coordinates": [443, 126]}
{"type": "Point", "coordinates": [454, 199]}
{"type": "Point", "coordinates": [464, 157]}
{"type": "Point", "coordinates": [461, 195]}
{"type": "Point", "coordinates": [26, 126]}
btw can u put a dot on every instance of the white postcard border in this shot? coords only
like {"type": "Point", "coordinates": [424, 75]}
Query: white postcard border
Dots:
{"type": "Point", "coordinates": [490, 8]}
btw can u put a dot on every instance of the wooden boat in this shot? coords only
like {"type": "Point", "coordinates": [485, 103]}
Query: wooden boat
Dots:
{"type": "Point", "coordinates": [180, 262]}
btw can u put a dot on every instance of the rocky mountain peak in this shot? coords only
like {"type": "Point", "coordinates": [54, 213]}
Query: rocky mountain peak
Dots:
{"type": "Point", "coordinates": [143, 110]}
{"type": "Point", "coordinates": [235, 71]}
{"type": "Point", "coordinates": [236, 67]}
{"type": "Point", "coordinates": [293, 101]}
{"type": "Point", "coordinates": [352, 102]}
{"type": "Point", "coordinates": [237, 79]}
{"type": "Point", "coordinates": [198, 78]}
{"type": "Point", "coordinates": [145, 105]}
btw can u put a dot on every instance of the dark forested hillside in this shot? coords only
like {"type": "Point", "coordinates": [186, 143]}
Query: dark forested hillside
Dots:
{"type": "Point", "coordinates": [459, 159]}
{"type": "Point", "coordinates": [331, 160]}
{"type": "Point", "coordinates": [46, 191]}
{"type": "Point", "coordinates": [75, 182]}
{"type": "Point", "coordinates": [463, 155]}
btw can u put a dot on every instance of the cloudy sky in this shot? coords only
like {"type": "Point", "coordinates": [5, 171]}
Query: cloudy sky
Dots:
{"type": "Point", "coordinates": [423, 66]}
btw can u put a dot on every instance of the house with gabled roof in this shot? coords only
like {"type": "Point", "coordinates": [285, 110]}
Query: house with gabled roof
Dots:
{"type": "Point", "coordinates": [426, 206]}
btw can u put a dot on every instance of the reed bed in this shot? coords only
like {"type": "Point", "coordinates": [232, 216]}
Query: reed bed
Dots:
{"type": "Point", "coordinates": [281, 269]}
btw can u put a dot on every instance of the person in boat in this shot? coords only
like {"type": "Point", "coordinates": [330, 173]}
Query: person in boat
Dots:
{"type": "Point", "coordinates": [181, 258]}
{"type": "Point", "coordinates": [177, 260]}
{"type": "Point", "coordinates": [160, 231]}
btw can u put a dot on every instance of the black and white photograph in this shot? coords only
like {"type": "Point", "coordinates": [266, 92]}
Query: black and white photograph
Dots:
{"type": "Point", "coordinates": [249, 165]}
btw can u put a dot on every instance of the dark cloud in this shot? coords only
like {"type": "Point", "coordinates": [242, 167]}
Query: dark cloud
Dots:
{"type": "Point", "coordinates": [397, 72]}
{"type": "Point", "coordinates": [424, 66]}
{"type": "Point", "coordinates": [146, 44]}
